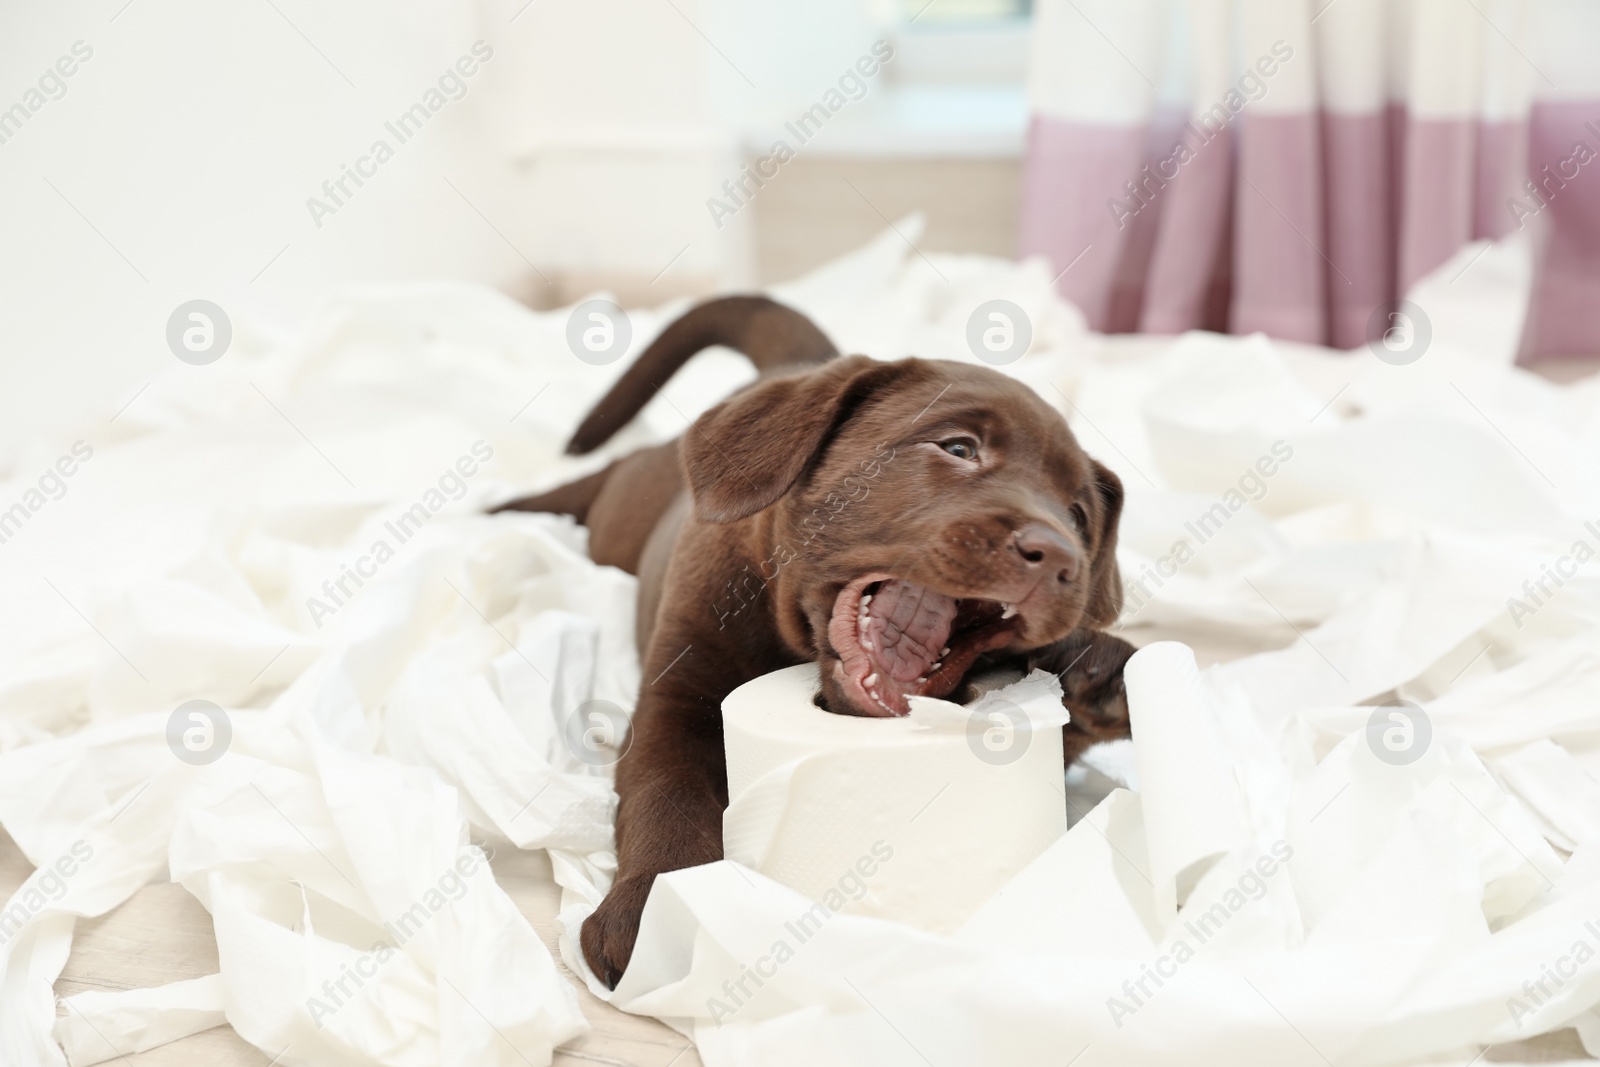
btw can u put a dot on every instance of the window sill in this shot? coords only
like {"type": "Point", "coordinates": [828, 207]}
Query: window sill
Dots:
{"type": "Point", "coordinates": [914, 122]}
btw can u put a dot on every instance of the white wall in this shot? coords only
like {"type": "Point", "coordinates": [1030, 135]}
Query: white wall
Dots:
{"type": "Point", "coordinates": [184, 150]}
{"type": "Point", "coordinates": [190, 141]}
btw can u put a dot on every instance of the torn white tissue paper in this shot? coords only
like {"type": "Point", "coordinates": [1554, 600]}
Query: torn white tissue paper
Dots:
{"type": "Point", "coordinates": [1397, 913]}
{"type": "Point", "coordinates": [1192, 804]}
{"type": "Point", "coordinates": [137, 1019]}
{"type": "Point", "coordinates": [295, 535]}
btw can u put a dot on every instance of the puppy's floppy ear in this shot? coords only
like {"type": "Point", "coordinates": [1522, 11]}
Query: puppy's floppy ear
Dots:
{"type": "Point", "coordinates": [1105, 582]}
{"type": "Point", "coordinates": [746, 452]}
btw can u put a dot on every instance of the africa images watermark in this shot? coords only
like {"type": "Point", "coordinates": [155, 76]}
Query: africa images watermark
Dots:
{"type": "Point", "coordinates": [745, 587]}
{"type": "Point", "coordinates": [1550, 184]}
{"type": "Point", "coordinates": [1537, 992]}
{"type": "Point", "coordinates": [51, 485]}
{"type": "Point", "coordinates": [1252, 485]}
{"type": "Point", "coordinates": [451, 885]}
{"type": "Point", "coordinates": [1251, 87]}
{"type": "Point", "coordinates": [451, 86]}
{"type": "Point", "coordinates": [1251, 886]}
{"type": "Point", "coordinates": [52, 85]}
{"type": "Point", "coordinates": [45, 886]}
{"type": "Point", "coordinates": [401, 528]}
{"type": "Point", "coordinates": [851, 885]}
{"type": "Point", "coordinates": [1552, 576]}
{"type": "Point", "coordinates": [852, 86]}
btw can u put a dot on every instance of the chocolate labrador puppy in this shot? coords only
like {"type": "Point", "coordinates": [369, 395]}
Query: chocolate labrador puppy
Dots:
{"type": "Point", "coordinates": [900, 524]}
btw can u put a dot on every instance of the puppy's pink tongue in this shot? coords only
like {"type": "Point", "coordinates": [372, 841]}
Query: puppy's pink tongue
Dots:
{"type": "Point", "coordinates": [904, 628]}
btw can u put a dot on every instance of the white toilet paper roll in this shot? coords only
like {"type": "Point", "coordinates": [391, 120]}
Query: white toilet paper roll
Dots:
{"type": "Point", "coordinates": [919, 819]}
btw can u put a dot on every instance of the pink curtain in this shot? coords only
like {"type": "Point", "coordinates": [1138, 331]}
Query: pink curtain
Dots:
{"type": "Point", "coordinates": [1293, 166]}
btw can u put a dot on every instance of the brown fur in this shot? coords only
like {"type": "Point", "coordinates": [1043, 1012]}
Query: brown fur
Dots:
{"type": "Point", "coordinates": [796, 487]}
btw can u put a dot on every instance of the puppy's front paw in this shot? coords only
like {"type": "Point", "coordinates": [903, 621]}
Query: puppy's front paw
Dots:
{"type": "Point", "coordinates": [1089, 664]}
{"type": "Point", "coordinates": [608, 935]}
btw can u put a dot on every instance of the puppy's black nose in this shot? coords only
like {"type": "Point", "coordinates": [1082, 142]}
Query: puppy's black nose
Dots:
{"type": "Point", "coordinates": [1044, 549]}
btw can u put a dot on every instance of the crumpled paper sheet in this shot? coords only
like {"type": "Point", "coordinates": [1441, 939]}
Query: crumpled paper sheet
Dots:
{"type": "Point", "coordinates": [334, 842]}
{"type": "Point", "coordinates": [372, 752]}
{"type": "Point", "coordinates": [355, 922]}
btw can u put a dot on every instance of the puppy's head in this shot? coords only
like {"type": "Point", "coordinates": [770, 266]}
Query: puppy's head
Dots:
{"type": "Point", "coordinates": [919, 514]}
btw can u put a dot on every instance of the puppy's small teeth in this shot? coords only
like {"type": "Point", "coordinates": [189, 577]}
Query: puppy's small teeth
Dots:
{"type": "Point", "coordinates": [945, 651]}
{"type": "Point", "coordinates": [922, 681]}
{"type": "Point", "coordinates": [865, 643]}
{"type": "Point", "coordinates": [865, 600]}
{"type": "Point", "coordinates": [872, 680]}
{"type": "Point", "coordinates": [1010, 611]}
{"type": "Point", "coordinates": [937, 665]}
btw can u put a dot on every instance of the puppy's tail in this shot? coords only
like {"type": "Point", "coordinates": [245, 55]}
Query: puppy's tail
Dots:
{"type": "Point", "coordinates": [770, 334]}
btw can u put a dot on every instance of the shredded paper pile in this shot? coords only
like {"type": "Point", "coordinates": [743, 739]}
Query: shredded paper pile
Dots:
{"type": "Point", "coordinates": [261, 640]}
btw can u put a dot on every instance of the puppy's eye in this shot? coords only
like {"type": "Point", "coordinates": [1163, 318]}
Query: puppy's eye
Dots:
{"type": "Point", "coordinates": [961, 447]}
{"type": "Point", "coordinates": [1080, 519]}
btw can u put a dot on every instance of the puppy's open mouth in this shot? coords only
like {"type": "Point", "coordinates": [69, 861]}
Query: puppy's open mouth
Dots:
{"type": "Point", "coordinates": [897, 639]}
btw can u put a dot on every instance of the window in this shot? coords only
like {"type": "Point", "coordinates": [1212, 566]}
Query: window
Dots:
{"type": "Point", "coordinates": [949, 12]}
{"type": "Point", "coordinates": [963, 42]}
